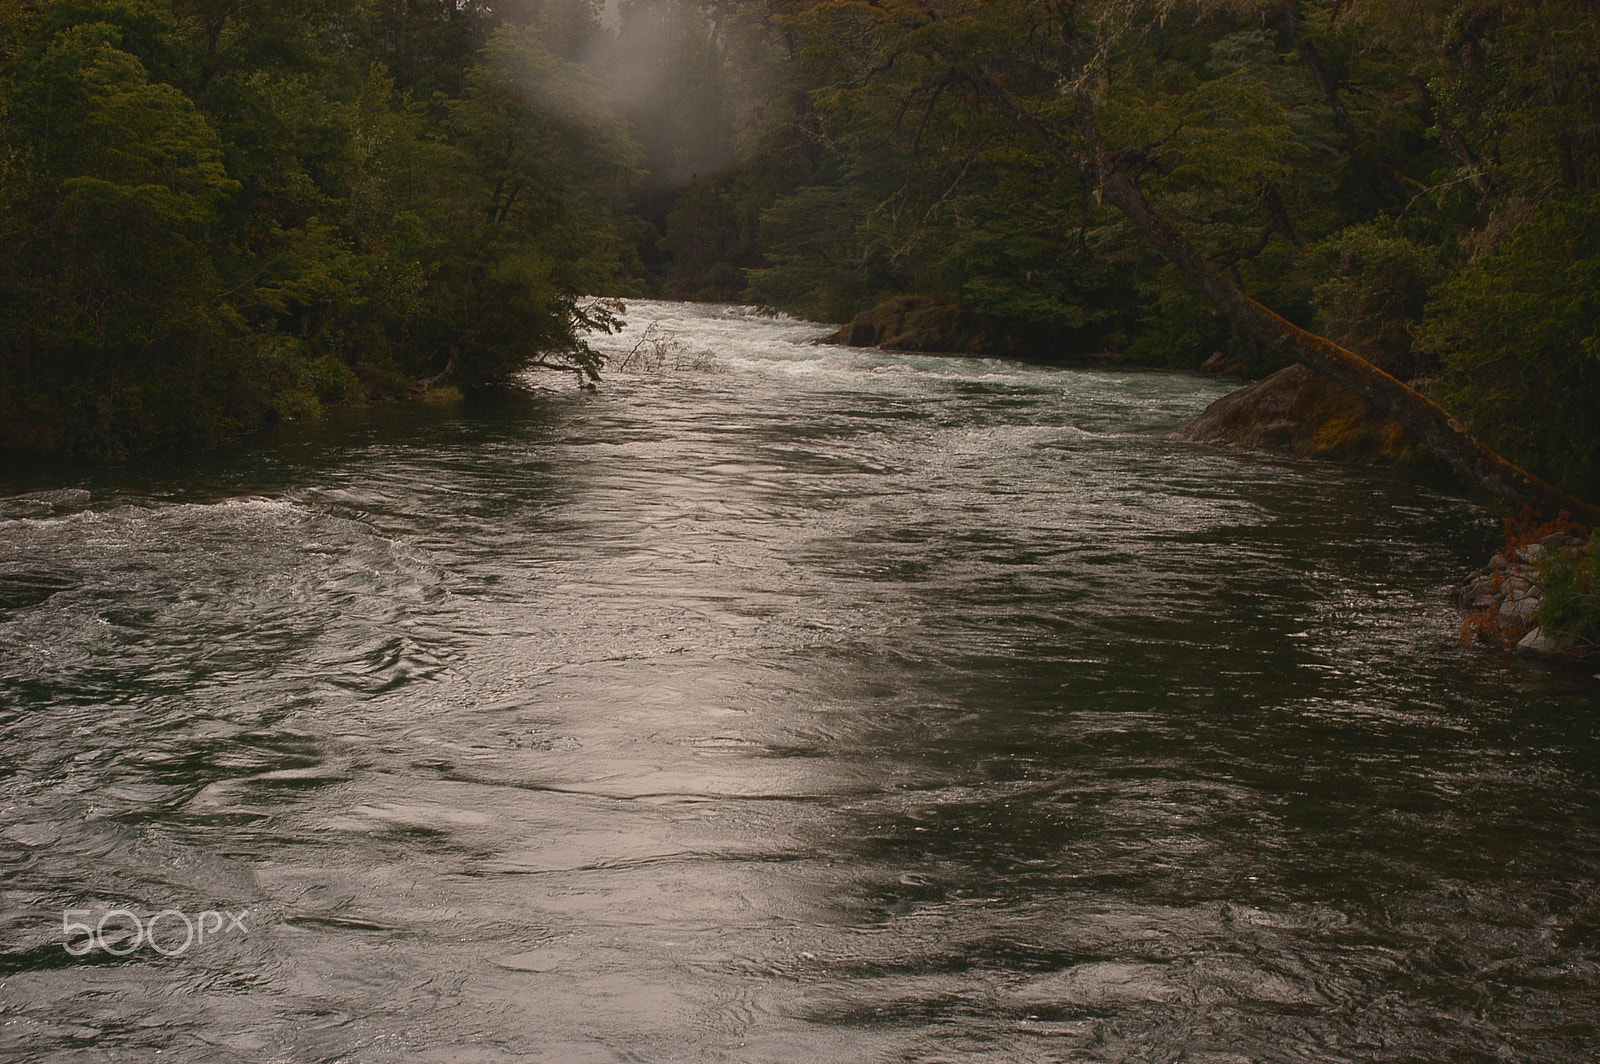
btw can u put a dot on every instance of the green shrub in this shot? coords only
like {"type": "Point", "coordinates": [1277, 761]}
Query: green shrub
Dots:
{"type": "Point", "coordinates": [1571, 603]}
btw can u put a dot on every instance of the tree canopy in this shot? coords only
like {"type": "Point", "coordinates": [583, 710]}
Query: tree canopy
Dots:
{"type": "Point", "coordinates": [218, 212]}
{"type": "Point", "coordinates": [1395, 181]}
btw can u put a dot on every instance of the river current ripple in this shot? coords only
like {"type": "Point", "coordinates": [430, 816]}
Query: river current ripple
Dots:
{"type": "Point", "coordinates": [780, 703]}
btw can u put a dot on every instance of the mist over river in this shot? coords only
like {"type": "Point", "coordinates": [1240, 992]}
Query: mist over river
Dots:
{"type": "Point", "coordinates": [784, 703]}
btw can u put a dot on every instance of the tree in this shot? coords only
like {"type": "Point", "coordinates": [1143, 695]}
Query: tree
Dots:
{"type": "Point", "coordinates": [541, 159]}
{"type": "Point", "coordinates": [1045, 70]}
{"type": "Point", "coordinates": [218, 213]}
{"type": "Point", "coordinates": [1517, 331]}
{"type": "Point", "coordinates": [111, 317]}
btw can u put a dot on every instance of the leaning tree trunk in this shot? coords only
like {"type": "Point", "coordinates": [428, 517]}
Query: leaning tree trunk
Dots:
{"type": "Point", "coordinates": [1426, 419]}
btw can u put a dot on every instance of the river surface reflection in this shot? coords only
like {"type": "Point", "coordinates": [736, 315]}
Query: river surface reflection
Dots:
{"type": "Point", "coordinates": [793, 704]}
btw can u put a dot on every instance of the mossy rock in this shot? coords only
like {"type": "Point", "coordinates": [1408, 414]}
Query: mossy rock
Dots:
{"type": "Point", "coordinates": [1296, 412]}
{"type": "Point", "coordinates": [915, 323]}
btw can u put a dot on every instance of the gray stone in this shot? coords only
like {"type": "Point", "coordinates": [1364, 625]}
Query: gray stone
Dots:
{"type": "Point", "coordinates": [1518, 610]}
{"type": "Point", "coordinates": [1537, 644]}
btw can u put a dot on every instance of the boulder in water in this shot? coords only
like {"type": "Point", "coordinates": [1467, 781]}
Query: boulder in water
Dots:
{"type": "Point", "coordinates": [1297, 412]}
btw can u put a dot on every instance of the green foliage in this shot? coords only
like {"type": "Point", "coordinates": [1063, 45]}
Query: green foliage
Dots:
{"type": "Point", "coordinates": [1383, 175]}
{"type": "Point", "coordinates": [666, 73]}
{"type": "Point", "coordinates": [926, 189]}
{"type": "Point", "coordinates": [1371, 286]}
{"type": "Point", "coordinates": [820, 266]}
{"type": "Point", "coordinates": [1570, 606]}
{"type": "Point", "coordinates": [213, 216]}
{"type": "Point", "coordinates": [107, 282]}
{"type": "Point", "coordinates": [536, 156]}
{"type": "Point", "coordinates": [1518, 332]}
{"type": "Point", "coordinates": [1017, 245]}
{"type": "Point", "coordinates": [1180, 326]}
{"type": "Point", "coordinates": [704, 239]}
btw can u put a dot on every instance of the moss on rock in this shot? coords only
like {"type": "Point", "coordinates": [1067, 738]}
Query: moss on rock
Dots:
{"type": "Point", "coordinates": [1296, 412]}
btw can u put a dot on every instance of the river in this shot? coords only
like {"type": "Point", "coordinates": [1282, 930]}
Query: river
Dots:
{"type": "Point", "coordinates": [778, 703]}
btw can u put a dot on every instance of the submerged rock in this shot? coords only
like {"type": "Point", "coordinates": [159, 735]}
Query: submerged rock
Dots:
{"type": "Point", "coordinates": [1294, 411]}
{"type": "Point", "coordinates": [45, 503]}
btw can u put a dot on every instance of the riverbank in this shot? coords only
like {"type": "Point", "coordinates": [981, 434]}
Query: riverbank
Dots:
{"type": "Point", "coordinates": [925, 325]}
{"type": "Point", "coordinates": [1536, 597]}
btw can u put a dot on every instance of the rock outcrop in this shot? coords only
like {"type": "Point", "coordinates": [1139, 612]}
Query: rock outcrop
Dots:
{"type": "Point", "coordinates": [915, 323]}
{"type": "Point", "coordinates": [1294, 411]}
{"type": "Point", "coordinates": [1502, 598]}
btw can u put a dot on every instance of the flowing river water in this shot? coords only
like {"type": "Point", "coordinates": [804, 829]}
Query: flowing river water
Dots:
{"type": "Point", "coordinates": [781, 703]}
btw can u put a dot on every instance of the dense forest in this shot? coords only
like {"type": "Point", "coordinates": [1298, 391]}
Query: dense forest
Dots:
{"type": "Point", "coordinates": [217, 213]}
